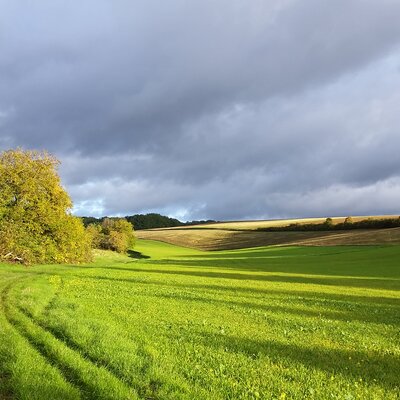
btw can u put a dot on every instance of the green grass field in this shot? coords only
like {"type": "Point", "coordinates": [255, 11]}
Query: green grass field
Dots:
{"type": "Point", "coordinates": [174, 323]}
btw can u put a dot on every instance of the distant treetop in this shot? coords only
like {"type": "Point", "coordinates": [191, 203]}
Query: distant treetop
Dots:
{"type": "Point", "coordinates": [149, 221]}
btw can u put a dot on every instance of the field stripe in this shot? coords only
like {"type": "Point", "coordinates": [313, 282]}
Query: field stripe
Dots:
{"type": "Point", "coordinates": [20, 331]}
{"type": "Point", "coordinates": [68, 342]}
{"type": "Point", "coordinates": [5, 390]}
{"type": "Point", "coordinates": [84, 353]}
{"type": "Point", "coordinates": [30, 369]}
{"type": "Point", "coordinates": [95, 383]}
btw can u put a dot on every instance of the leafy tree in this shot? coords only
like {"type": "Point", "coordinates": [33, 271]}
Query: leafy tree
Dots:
{"type": "Point", "coordinates": [95, 234]}
{"type": "Point", "coordinates": [148, 221]}
{"type": "Point", "coordinates": [348, 221]}
{"type": "Point", "coordinates": [91, 220]}
{"type": "Point", "coordinates": [36, 224]}
{"type": "Point", "coordinates": [328, 222]}
{"type": "Point", "coordinates": [112, 234]}
{"type": "Point", "coordinates": [152, 220]}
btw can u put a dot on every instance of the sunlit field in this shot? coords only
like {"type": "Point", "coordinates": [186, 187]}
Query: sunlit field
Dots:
{"type": "Point", "coordinates": [257, 224]}
{"type": "Point", "coordinates": [168, 322]}
{"type": "Point", "coordinates": [225, 238]}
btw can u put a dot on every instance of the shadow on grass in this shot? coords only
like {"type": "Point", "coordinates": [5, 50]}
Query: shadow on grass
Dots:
{"type": "Point", "coordinates": [341, 307]}
{"type": "Point", "coordinates": [305, 294]}
{"type": "Point", "coordinates": [364, 266]}
{"type": "Point", "coordinates": [256, 291]}
{"type": "Point", "coordinates": [358, 282]}
{"type": "Point", "coordinates": [96, 358]}
{"type": "Point", "coordinates": [284, 252]}
{"type": "Point", "coordinates": [376, 314]}
{"type": "Point", "coordinates": [378, 262]}
{"type": "Point", "coordinates": [7, 358]}
{"type": "Point", "coordinates": [371, 367]}
{"type": "Point", "coordinates": [137, 255]}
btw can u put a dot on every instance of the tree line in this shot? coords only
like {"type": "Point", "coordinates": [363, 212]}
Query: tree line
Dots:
{"type": "Point", "coordinates": [148, 221]}
{"type": "Point", "coordinates": [328, 225]}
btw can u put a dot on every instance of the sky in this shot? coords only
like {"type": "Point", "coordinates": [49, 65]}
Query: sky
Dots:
{"type": "Point", "coordinates": [208, 109]}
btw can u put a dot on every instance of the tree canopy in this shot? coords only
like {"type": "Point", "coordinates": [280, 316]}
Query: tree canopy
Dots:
{"type": "Point", "coordinates": [152, 220]}
{"type": "Point", "coordinates": [148, 221]}
{"type": "Point", "coordinates": [112, 234]}
{"type": "Point", "coordinates": [36, 224]}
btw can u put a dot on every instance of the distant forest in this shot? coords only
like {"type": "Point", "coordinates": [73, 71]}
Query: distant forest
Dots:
{"type": "Point", "coordinates": [148, 221]}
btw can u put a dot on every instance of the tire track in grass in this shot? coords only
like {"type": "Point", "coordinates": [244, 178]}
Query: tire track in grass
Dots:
{"type": "Point", "coordinates": [97, 361]}
{"type": "Point", "coordinates": [23, 368]}
{"type": "Point", "coordinates": [5, 390]}
{"type": "Point", "coordinates": [70, 343]}
{"type": "Point", "coordinates": [142, 389]}
{"type": "Point", "coordinates": [95, 382]}
{"type": "Point", "coordinates": [7, 315]}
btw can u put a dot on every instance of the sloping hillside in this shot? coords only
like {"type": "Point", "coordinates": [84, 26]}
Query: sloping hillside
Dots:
{"type": "Point", "coordinates": [236, 235]}
{"type": "Point", "coordinates": [261, 224]}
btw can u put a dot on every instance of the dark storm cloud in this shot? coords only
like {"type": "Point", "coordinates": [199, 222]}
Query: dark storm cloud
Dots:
{"type": "Point", "coordinates": [220, 109]}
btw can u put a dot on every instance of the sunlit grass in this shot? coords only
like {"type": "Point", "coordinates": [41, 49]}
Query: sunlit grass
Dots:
{"type": "Point", "coordinates": [270, 323]}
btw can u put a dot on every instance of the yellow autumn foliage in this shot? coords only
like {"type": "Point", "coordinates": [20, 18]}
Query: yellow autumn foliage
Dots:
{"type": "Point", "coordinates": [36, 225]}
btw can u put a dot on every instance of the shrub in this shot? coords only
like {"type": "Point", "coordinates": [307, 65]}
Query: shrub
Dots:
{"type": "Point", "coordinates": [112, 234]}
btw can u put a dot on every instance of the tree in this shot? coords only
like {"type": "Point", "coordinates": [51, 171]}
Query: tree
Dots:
{"type": "Point", "coordinates": [95, 234]}
{"type": "Point", "coordinates": [36, 224]}
{"type": "Point", "coordinates": [152, 220]}
{"type": "Point", "coordinates": [113, 234]}
{"type": "Point", "coordinates": [348, 221]}
{"type": "Point", "coordinates": [328, 222]}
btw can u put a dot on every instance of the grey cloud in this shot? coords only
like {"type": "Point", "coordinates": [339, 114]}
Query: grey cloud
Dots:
{"type": "Point", "coordinates": [336, 136]}
{"type": "Point", "coordinates": [221, 109]}
{"type": "Point", "coordinates": [188, 62]}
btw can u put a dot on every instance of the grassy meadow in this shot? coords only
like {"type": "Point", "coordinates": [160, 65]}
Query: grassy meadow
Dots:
{"type": "Point", "coordinates": [168, 322]}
